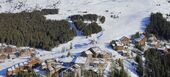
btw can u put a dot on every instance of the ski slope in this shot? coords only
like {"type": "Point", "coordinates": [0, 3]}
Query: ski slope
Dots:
{"type": "Point", "coordinates": [132, 13]}
{"type": "Point", "coordinates": [133, 17]}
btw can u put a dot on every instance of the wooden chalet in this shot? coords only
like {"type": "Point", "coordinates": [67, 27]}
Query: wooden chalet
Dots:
{"type": "Point", "coordinates": [141, 40]}
{"type": "Point", "coordinates": [125, 40]}
{"type": "Point", "coordinates": [118, 45]}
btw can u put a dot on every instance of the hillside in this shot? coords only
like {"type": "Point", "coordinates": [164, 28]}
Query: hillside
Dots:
{"type": "Point", "coordinates": [122, 18]}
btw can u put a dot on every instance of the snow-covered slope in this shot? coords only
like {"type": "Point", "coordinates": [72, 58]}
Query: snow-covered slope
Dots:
{"type": "Point", "coordinates": [133, 15]}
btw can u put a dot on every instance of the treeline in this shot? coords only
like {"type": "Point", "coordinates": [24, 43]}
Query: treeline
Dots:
{"type": "Point", "coordinates": [90, 73]}
{"type": "Point", "coordinates": [118, 72]}
{"type": "Point", "coordinates": [29, 73]}
{"type": "Point", "coordinates": [159, 26]}
{"type": "Point", "coordinates": [88, 17]}
{"type": "Point", "coordinates": [157, 64]}
{"type": "Point", "coordinates": [49, 11]}
{"type": "Point", "coordinates": [139, 67]}
{"type": "Point", "coordinates": [87, 28]}
{"type": "Point", "coordinates": [91, 29]}
{"type": "Point", "coordinates": [32, 29]}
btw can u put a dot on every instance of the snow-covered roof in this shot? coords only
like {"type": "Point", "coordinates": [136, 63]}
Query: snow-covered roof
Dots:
{"type": "Point", "coordinates": [168, 46]}
{"type": "Point", "coordinates": [140, 38]}
{"type": "Point", "coordinates": [9, 69]}
{"type": "Point", "coordinates": [58, 66]}
{"type": "Point", "coordinates": [67, 59]}
{"type": "Point", "coordinates": [43, 63]}
{"type": "Point", "coordinates": [95, 69]}
{"type": "Point", "coordinates": [25, 63]}
{"type": "Point", "coordinates": [119, 43]}
{"type": "Point", "coordinates": [77, 66]}
{"type": "Point", "coordinates": [96, 49]}
{"type": "Point", "coordinates": [161, 48]}
{"type": "Point", "coordinates": [71, 69]}
{"type": "Point", "coordinates": [81, 60]}
{"type": "Point", "coordinates": [88, 52]}
{"type": "Point", "coordinates": [21, 64]}
{"type": "Point", "coordinates": [16, 66]}
{"type": "Point", "coordinates": [123, 38]}
{"type": "Point", "coordinates": [97, 61]}
{"type": "Point", "coordinates": [13, 68]}
{"type": "Point", "coordinates": [51, 68]}
{"type": "Point", "coordinates": [56, 59]}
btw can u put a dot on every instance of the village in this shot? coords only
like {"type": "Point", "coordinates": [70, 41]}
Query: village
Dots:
{"type": "Point", "coordinates": [93, 59]}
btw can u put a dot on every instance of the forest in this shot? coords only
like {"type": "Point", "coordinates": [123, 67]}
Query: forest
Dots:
{"type": "Point", "coordinates": [159, 26]}
{"type": "Point", "coordinates": [29, 73]}
{"type": "Point", "coordinates": [157, 63]}
{"type": "Point", "coordinates": [118, 72]}
{"type": "Point", "coordinates": [87, 28]}
{"type": "Point", "coordinates": [87, 17]}
{"type": "Point", "coordinates": [49, 11]}
{"type": "Point", "coordinates": [32, 29]}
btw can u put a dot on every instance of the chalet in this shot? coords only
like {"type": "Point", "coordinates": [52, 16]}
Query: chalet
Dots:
{"type": "Point", "coordinates": [82, 61]}
{"type": "Point", "coordinates": [74, 71]}
{"type": "Point", "coordinates": [33, 61]}
{"type": "Point", "coordinates": [17, 68]}
{"type": "Point", "coordinates": [98, 65]}
{"type": "Point", "coordinates": [152, 37]}
{"type": "Point", "coordinates": [77, 70]}
{"type": "Point", "coordinates": [152, 41]}
{"type": "Point", "coordinates": [52, 66]}
{"type": "Point", "coordinates": [51, 70]}
{"type": "Point", "coordinates": [1, 50]}
{"type": "Point", "coordinates": [25, 63]}
{"type": "Point", "coordinates": [13, 56]}
{"type": "Point", "coordinates": [95, 51]}
{"type": "Point", "coordinates": [105, 55]}
{"type": "Point", "coordinates": [68, 61]}
{"type": "Point", "coordinates": [125, 40]}
{"type": "Point", "coordinates": [9, 71]}
{"type": "Point", "coordinates": [43, 65]}
{"type": "Point", "coordinates": [26, 52]}
{"type": "Point", "coordinates": [118, 45]}
{"type": "Point", "coordinates": [2, 57]}
{"type": "Point", "coordinates": [10, 49]}
{"type": "Point", "coordinates": [167, 47]}
{"type": "Point", "coordinates": [87, 54]}
{"type": "Point", "coordinates": [141, 40]}
{"type": "Point", "coordinates": [57, 69]}
{"type": "Point", "coordinates": [21, 66]}
{"type": "Point", "coordinates": [154, 44]}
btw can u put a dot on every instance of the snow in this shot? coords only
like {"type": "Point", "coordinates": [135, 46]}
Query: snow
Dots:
{"type": "Point", "coordinates": [130, 68]}
{"type": "Point", "coordinates": [81, 60]}
{"type": "Point", "coordinates": [88, 52]}
{"type": "Point", "coordinates": [107, 70]}
{"type": "Point", "coordinates": [132, 17]}
{"type": "Point", "coordinates": [10, 63]}
{"type": "Point", "coordinates": [67, 59]}
{"type": "Point", "coordinates": [96, 49]}
{"type": "Point", "coordinates": [140, 38]}
{"type": "Point", "coordinates": [168, 46]}
{"type": "Point", "coordinates": [119, 43]}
